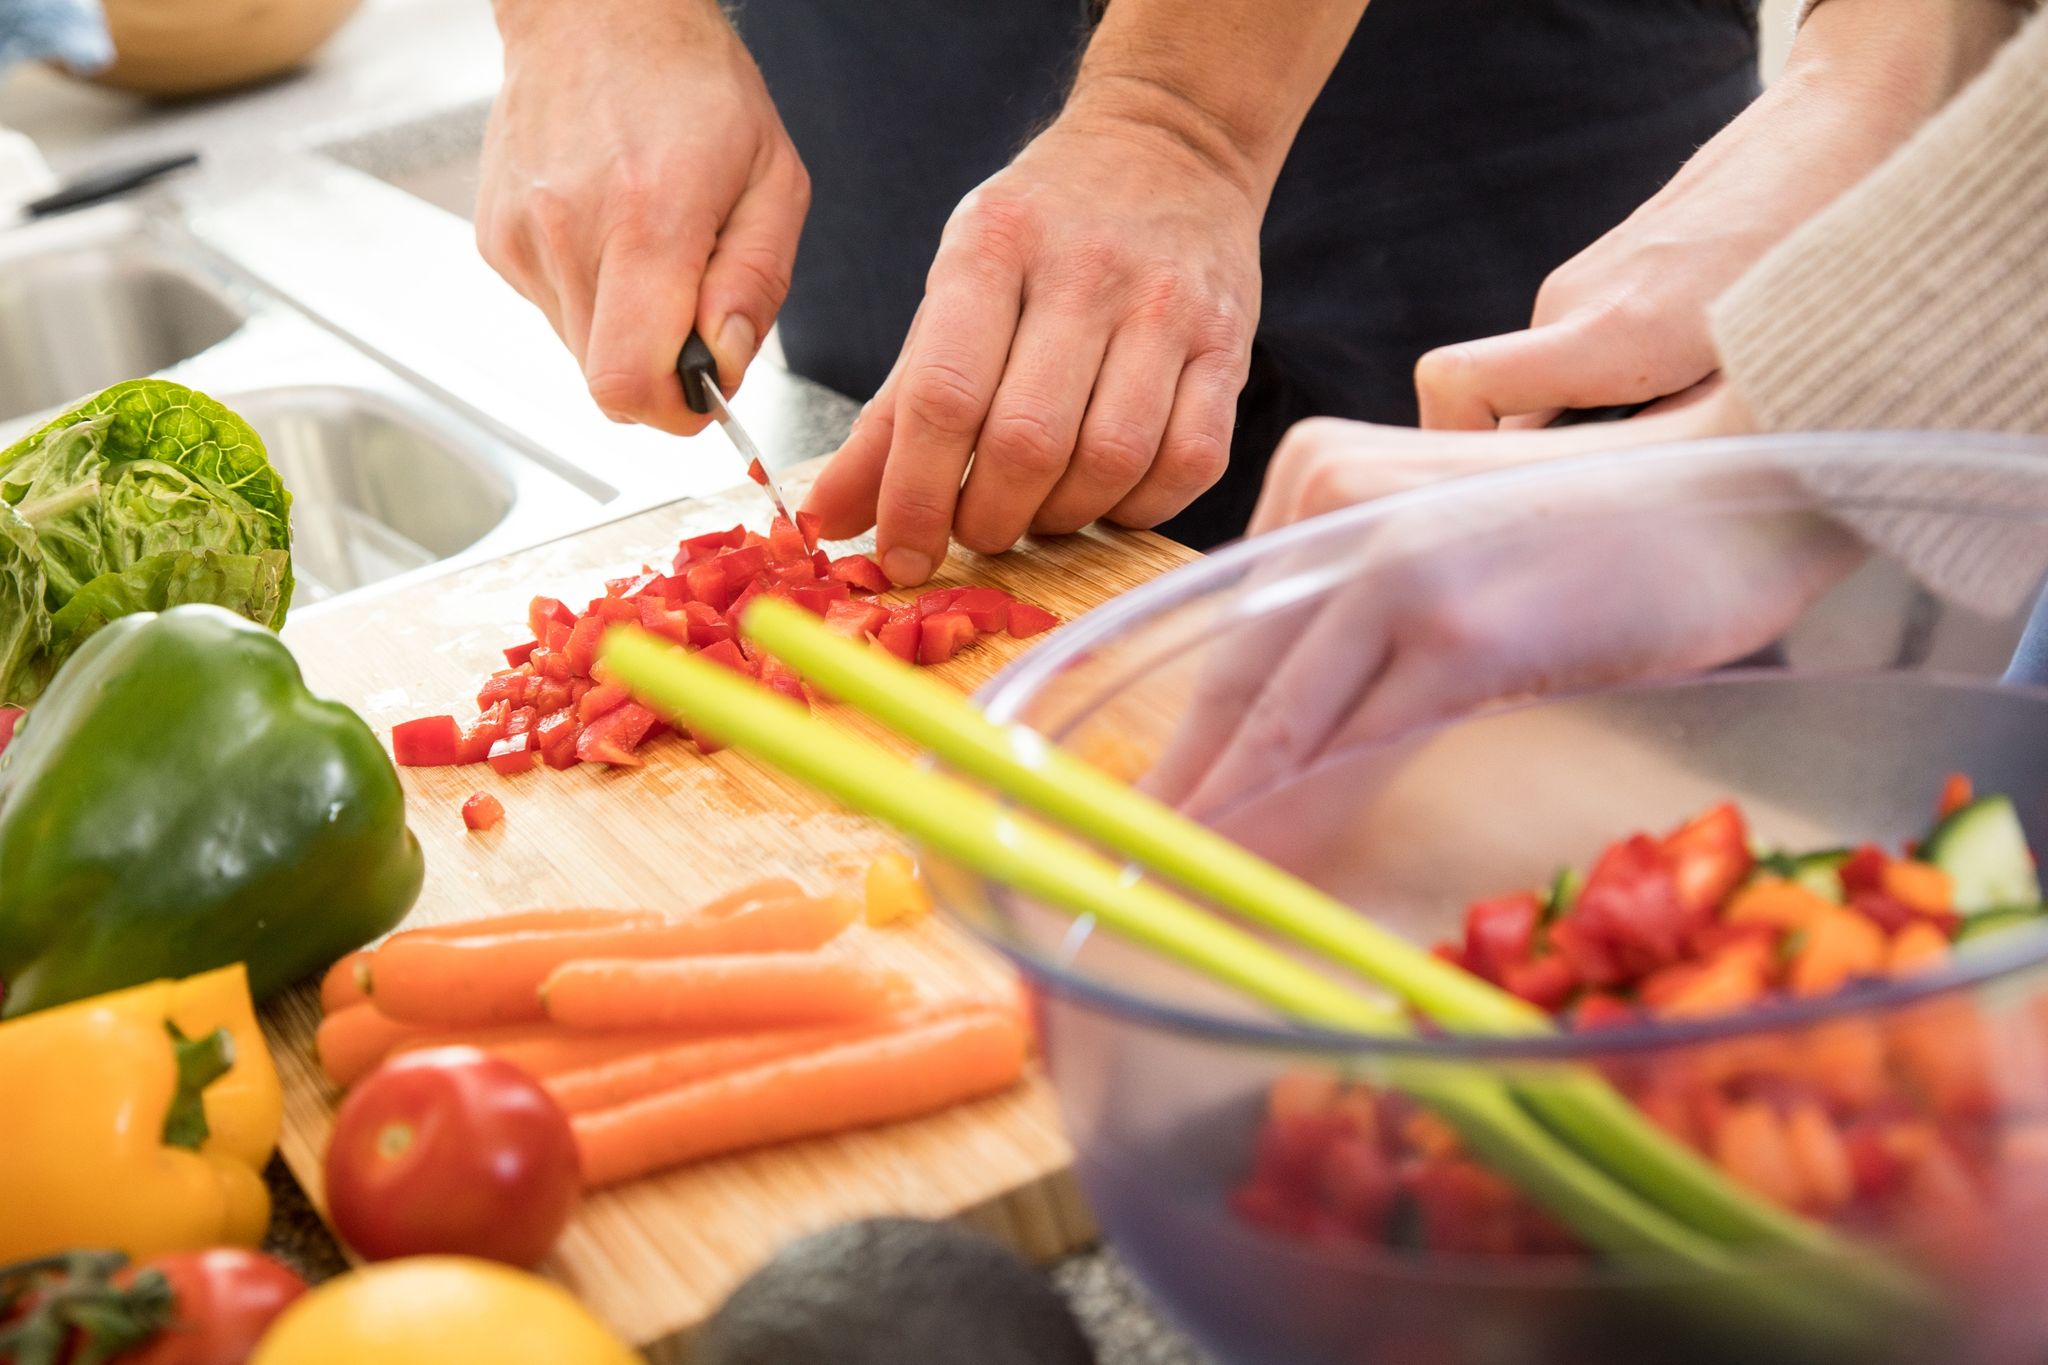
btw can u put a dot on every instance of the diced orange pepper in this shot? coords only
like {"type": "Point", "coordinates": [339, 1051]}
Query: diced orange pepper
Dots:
{"type": "Point", "coordinates": [1840, 946]}
{"type": "Point", "coordinates": [1776, 901]}
{"type": "Point", "coordinates": [1923, 886]}
{"type": "Point", "coordinates": [1732, 979]}
{"type": "Point", "coordinates": [1822, 1158]}
{"type": "Point", "coordinates": [1918, 946]}
{"type": "Point", "coordinates": [1752, 1146]}
{"type": "Point", "coordinates": [895, 894]}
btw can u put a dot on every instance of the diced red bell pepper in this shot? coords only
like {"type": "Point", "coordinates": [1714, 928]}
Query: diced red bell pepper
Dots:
{"type": "Point", "coordinates": [778, 676]}
{"type": "Point", "coordinates": [581, 651]}
{"type": "Point", "coordinates": [705, 744]}
{"type": "Point", "coordinates": [818, 598]}
{"type": "Point", "coordinates": [558, 733]}
{"type": "Point", "coordinates": [856, 620]}
{"type": "Point", "coordinates": [543, 612]}
{"type": "Point", "coordinates": [728, 653]}
{"type": "Point", "coordinates": [555, 694]}
{"type": "Point", "coordinates": [515, 655]}
{"type": "Point", "coordinates": [901, 633]}
{"type": "Point", "coordinates": [515, 753]}
{"type": "Point", "coordinates": [1864, 871]}
{"type": "Point", "coordinates": [786, 544]}
{"type": "Point", "coordinates": [522, 720]}
{"type": "Point", "coordinates": [1710, 857]}
{"type": "Point", "coordinates": [636, 585]}
{"type": "Point", "coordinates": [756, 473]}
{"type": "Point", "coordinates": [1600, 1010]}
{"type": "Point", "coordinates": [482, 811]}
{"type": "Point", "coordinates": [737, 612]}
{"type": "Point", "coordinates": [1499, 932]}
{"type": "Point", "coordinates": [488, 730]}
{"type": "Point", "coordinates": [810, 523]}
{"type": "Point", "coordinates": [613, 737]}
{"type": "Point", "coordinates": [937, 600]}
{"type": "Point", "coordinates": [578, 689]}
{"type": "Point", "coordinates": [943, 635]}
{"type": "Point", "coordinates": [429, 742]}
{"type": "Point", "coordinates": [510, 685]}
{"type": "Point", "coordinates": [1588, 954]}
{"type": "Point", "coordinates": [859, 571]}
{"type": "Point", "coordinates": [1631, 902]}
{"type": "Point", "coordinates": [552, 664]}
{"type": "Point", "coordinates": [743, 565]}
{"type": "Point", "coordinates": [612, 610]}
{"type": "Point", "coordinates": [555, 636]}
{"type": "Point", "coordinates": [708, 585]}
{"type": "Point", "coordinates": [707, 627]}
{"type": "Point", "coordinates": [1545, 982]}
{"type": "Point", "coordinates": [695, 548]}
{"type": "Point", "coordinates": [1957, 791]}
{"type": "Point", "coordinates": [600, 700]}
{"type": "Point", "coordinates": [1027, 620]}
{"type": "Point", "coordinates": [670, 625]}
{"type": "Point", "coordinates": [988, 608]}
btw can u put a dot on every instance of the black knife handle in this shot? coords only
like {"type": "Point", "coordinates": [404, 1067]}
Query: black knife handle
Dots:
{"type": "Point", "coordinates": [1614, 412]}
{"type": "Point", "coordinates": [698, 369]}
{"type": "Point", "coordinates": [91, 189]}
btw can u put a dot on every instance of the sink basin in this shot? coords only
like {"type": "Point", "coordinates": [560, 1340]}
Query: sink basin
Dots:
{"type": "Point", "coordinates": [380, 486]}
{"type": "Point", "coordinates": [78, 315]}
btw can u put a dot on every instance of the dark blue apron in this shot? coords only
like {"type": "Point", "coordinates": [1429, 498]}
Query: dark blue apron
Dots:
{"type": "Point", "coordinates": [1460, 151]}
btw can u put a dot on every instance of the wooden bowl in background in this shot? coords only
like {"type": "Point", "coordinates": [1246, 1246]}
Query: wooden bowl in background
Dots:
{"type": "Point", "coordinates": [196, 47]}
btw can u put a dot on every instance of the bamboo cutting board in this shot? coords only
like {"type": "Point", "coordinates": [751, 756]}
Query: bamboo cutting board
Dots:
{"type": "Point", "coordinates": [655, 1257]}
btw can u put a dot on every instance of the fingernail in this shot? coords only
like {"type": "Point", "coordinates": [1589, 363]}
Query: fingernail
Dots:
{"type": "Point", "coordinates": [906, 568]}
{"type": "Point", "coordinates": [736, 343]}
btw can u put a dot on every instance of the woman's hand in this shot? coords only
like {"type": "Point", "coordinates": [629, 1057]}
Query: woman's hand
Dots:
{"type": "Point", "coordinates": [637, 182]}
{"type": "Point", "coordinates": [1614, 577]}
{"type": "Point", "coordinates": [1625, 320]}
{"type": "Point", "coordinates": [1084, 333]}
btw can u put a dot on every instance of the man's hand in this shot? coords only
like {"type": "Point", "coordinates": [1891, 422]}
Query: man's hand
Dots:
{"type": "Point", "coordinates": [1625, 320]}
{"type": "Point", "coordinates": [637, 182]}
{"type": "Point", "coordinates": [1088, 321]}
{"type": "Point", "coordinates": [1085, 330]}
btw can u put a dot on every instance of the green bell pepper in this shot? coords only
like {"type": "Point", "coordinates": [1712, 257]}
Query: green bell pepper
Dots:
{"type": "Point", "coordinates": [178, 801]}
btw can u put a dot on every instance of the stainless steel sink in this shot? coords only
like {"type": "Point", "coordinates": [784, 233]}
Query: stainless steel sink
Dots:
{"type": "Point", "coordinates": [80, 311]}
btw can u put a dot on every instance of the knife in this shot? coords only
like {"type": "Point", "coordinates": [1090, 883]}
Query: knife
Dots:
{"type": "Point", "coordinates": [698, 369]}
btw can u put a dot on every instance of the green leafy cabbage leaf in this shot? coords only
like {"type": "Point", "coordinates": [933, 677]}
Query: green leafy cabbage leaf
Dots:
{"type": "Point", "coordinates": [147, 496]}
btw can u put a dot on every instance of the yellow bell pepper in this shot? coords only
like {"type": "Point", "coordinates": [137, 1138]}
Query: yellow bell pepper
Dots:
{"type": "Point", "coordinates": [103, 1145]}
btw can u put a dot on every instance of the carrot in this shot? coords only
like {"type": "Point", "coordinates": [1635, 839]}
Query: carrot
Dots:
{"type": "Point", "coordinates": [893, 891]}
{"type": "Point", "coordinates": [355, 1038]}
{"type": "Point", "coordinates": [528, 921]}
{"type": "Point", "coordinates": [875, 1080]}
{"type": "Point", "coordinates": [343, 984]}
{"type": "Point", "coordinates": [1776, 902]}
{"type": "Point", "coordinates": [1923, 886]}
{"type": "Point", "coordinates": [678, 1061]}
{"type": "Point", "coordinates": [544, 1050]}
{"type": "Point", "coordinates": [1727, 981]}
{"type": "Point", "coordinates": [496, 980]}
{"type": "Point", "coordinates": [728, 992]}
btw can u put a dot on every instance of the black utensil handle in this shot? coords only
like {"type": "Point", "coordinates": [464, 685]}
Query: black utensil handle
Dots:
{"type": "Point", "coordinates": [1613, 412]}
{"type": "Point", "coordinates": [91, 189]}
{"type": "Point", "coordinates": [698, 369]}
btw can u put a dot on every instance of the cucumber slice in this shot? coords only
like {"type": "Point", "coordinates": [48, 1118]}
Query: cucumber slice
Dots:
{"type": "Point", "coordinates": [1988, 923]}
{"type": "Point", "coordinates": [1564, 892]}
{"type": "Point", "coordinates": [1983, 849]}
{"type": "Point", "coordinates": [1821, 873]}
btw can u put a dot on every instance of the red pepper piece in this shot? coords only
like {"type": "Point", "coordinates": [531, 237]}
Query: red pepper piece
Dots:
{"type": "Point", "coordinates": [429, 742]}
{"type": "Point", "coordinates": [1500, 932]}
{"type": "Point", "coordinates": [613, 737]}
{"type": "Point", "coordinates": [1027, 620]}
{"type": "Point", "coordinates": [728, 653]}
{"type": "Point", "coordinates": [786, 545]}
{"type": "Point", "coordinates": [543, 612]}
{"type": "Point", "coordinates": [818, 598]}
{"type": "Point", "coordinates": [756, 473]}
{"type": "Point", "coordinates": [810, 523]}
{"type": "Point", "coordinates": [855, 620]}
{"type": "Point", "coordinates": [488, 730]}
{"type": "Point", "coordinates": [670, 625]}
{"type": "Point", "coordinates": [937, 600]}
{"type": "Point", "coordinates": [900, 635]}
{"type": "Point", "coordinates": [612, 610]}
{"type": "Point", "coordinates": [1546, 982]}
{"type": "Point", "coordinates": [778, 676]}
{"type": "Point", "coordinates": [695, 548]}
{"type": "Point", "coordinates": [988, 608]}
{"type": "Point", "coordinates": [859, 571]}
{"type": "Point", "coordinates": [1709, 857]}
{"type": "Point", "coordinates": [707, 584]}
{"type": "Point", "coordinates": [515, 753]}
{"type": "Point", "coordinates": [581, 651]}
{"type": "Point", "coordinates": [515, 655]}
{"type": "Point", "coordinates": [707, 627]}
{"type": "Point", "coordinates": [943, 635]}
{"type": "Point", "coordinates": [558, 733]}
{"type": "Point", "coordinates": [554, 694]}
{"type": "Point", "coordinates": [511, 685]}
{"type": "Point", "coordinates": [482, 811]}
{"type": "Point", "coordinates": [600, 700]}
{"type": "Point", "coordinates": [552, 664]}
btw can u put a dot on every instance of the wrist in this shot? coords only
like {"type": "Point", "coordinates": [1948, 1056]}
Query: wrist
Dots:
{"type": "Point", "coordinates": [1153, 113]}
{"type": "Point", "coordinates": [1900, 59]}
{"type": "Point", "coordinates": [618, 21]}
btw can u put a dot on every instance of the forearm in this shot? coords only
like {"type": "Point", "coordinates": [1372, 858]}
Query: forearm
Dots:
{"type": "Point", "coordinates": [616, 21]}
{"type": "Point", "coordinates": [1900, 60]}
{"type": "Point", "coordinates": [1230, 79]}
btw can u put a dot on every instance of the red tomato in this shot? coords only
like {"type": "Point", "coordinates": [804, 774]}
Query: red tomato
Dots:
{"type": "Point", "coordinates": [225, 1300]}
{"type": "Point", "coordinates": [482, 811]}
{"type": "Point", "coordinates": [451, 1151]}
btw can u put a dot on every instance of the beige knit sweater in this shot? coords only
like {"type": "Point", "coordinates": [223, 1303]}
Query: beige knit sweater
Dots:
{"type": "Point", "coordinates": [1919, 298]}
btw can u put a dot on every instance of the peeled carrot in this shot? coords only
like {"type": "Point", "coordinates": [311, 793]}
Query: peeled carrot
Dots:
{"type": "Point", "coordinates": [875, 1080]}
{"type": "Point", "coordinates": [893, 891]}
{"type": "Point", "coordinates": [496, 980]}
{"type": "Point", "coordinates": [544, 1050]}
{"type": "Point", "coordinates": [355, 1038]}
{"type": "Point", "coordinates": [528, 921]}
{"type": "Point", "coordinates": [728, 992]}
{"type": "Point", "coordinates": [343, 984]}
